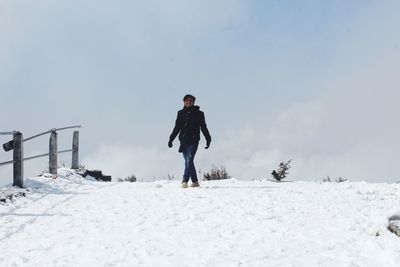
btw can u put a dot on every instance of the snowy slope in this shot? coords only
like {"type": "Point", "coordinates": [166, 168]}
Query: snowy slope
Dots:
{"type": "Point", "coordinates": [76, 222]}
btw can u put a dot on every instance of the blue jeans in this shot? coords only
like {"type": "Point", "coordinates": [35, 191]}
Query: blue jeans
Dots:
{"type": "Point", "coordinates": [189, 152]}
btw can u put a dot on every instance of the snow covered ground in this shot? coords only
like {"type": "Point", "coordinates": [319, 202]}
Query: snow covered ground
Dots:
{"type": "Point", "coordinates": [71, 221]}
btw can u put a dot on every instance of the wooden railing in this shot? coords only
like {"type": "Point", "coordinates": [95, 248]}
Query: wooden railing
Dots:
{"type": "Point", "coordinates": [17, 145]}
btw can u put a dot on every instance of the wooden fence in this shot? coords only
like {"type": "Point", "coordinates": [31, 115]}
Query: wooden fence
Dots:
{"type": "Point", "coordinates": [17, 145]}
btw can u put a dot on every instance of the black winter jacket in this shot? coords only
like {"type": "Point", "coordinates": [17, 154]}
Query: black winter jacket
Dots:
{"type": "Point", "coordinates": [189, 122]}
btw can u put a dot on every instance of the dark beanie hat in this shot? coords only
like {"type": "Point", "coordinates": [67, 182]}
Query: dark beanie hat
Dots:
{"type": "Point", "coordinates": [189, 96]}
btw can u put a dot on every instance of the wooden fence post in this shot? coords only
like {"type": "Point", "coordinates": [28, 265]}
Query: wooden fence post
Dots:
{"type": "Point", "coordinates": [75, 151]}
{"type": "Point", "coordinates": [18, 157]}
{"type": "Point", "coordinates": [53, 153]}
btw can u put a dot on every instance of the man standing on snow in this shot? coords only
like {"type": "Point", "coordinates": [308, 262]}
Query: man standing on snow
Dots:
{"type": "Point", "coordinates": [189, 122]}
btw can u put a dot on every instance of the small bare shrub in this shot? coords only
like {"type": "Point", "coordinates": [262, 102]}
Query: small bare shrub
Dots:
{"type": "Point", "coordinates": [132, 178]}
{"type": "Point", "coordinates": [337, 180]}
{"type": "Point", "coordinates": [327, 180]}
{"type": "Point", "coordinates": [282, 171]}
{"type": "Point", "coordinates": [341, 180]}
{"type": "Point", "coordinates": [216, 174]}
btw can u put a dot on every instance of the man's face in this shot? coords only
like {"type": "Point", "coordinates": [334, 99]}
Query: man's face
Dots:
{"type": "Point", "coordinates": [188, 102]}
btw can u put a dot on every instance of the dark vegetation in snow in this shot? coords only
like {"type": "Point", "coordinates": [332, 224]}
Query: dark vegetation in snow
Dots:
{"type": "Point", "coordinates": [216, 174]}
{"type": "Point", "coordinates": [337, 180]}
{"type": "Point", "coordinates": [282, 172]}
{"type": "Point", "coordinates": [96, 174]}
{"type": "Point", "coordinates": [6, 196]}
{"type": "Point", "coordinates": [132, 178]}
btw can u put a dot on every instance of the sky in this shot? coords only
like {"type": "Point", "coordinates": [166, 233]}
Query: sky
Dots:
{"type": "Point", "coordinates": [313, 81]}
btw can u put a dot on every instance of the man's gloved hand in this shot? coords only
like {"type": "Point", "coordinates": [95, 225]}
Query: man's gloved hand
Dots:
{"type": "Point", "coordinates": [208, 145]}
{"type": "Point", "coordinates": [170, 143]}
